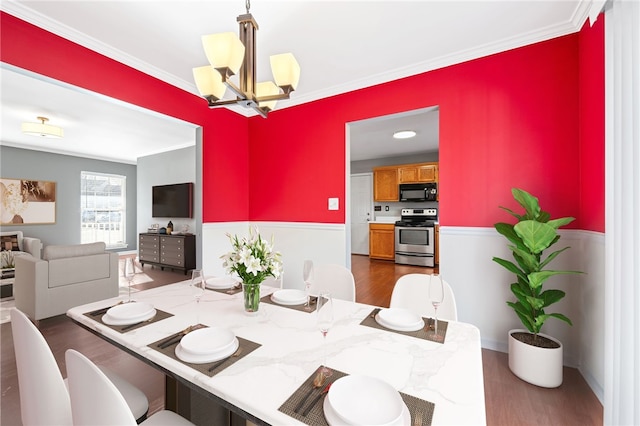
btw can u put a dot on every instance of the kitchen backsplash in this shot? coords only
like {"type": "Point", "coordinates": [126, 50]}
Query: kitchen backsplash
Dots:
{"type": "Point", "coordinates": [395, 208]}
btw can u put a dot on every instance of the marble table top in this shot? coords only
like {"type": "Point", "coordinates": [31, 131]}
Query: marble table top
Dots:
{"type": "Point", "coordinates": [449, 374]}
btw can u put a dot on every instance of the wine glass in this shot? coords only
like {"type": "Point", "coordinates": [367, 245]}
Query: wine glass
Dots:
{"type": "Point", "coordinates": [307, 276]}
{"type": "Point", "coordinates": [324, 312]}
{"type": "Point", "coordinates": [197, 288]}
{"type": "Point", "coordinates": [129, 273]}
{"type": "Point", "coordinates": [436, 296]}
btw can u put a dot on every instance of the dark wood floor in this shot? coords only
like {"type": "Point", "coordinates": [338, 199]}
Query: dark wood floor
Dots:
{"type": "Point", "coordinates": [509, 400]}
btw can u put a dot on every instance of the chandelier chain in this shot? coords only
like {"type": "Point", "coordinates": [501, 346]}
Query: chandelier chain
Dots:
{"type": "Point", "coordinates": [248, 5]}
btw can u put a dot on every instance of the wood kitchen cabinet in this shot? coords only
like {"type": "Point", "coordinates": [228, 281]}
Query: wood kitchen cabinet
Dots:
{"type": "Point", "coordinates": [418, 173]}
{"type": "Point", "coordinates": [382, 241]}
{"type": "Point", "coordinates": [168, 251]}
{"type": "Point", "coordinates": [385, 184]}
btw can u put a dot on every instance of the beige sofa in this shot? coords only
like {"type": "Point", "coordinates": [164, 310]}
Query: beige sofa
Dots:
{"type": "Point", "coordinates": [65, 277]}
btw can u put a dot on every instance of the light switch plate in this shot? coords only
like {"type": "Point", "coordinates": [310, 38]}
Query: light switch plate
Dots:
{"type": "Point", "coordinates": [334, 204]}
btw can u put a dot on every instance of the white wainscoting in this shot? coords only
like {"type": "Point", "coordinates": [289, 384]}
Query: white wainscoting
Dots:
{"type": "Point", "coordinates": [296, 241]}
{"type": "Point", "coordinates": [481, 287]}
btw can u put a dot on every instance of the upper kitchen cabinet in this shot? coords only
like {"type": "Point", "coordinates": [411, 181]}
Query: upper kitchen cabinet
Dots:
{"type": "Point", "coordinates": [418, 173]}
{"type": "Point", "coordinates": [385, 183]}
{"type": "Point", "coordinates": [387, 178]}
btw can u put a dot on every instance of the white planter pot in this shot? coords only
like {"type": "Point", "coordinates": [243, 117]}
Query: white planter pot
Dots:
{"type": "Point", "coordinates": [538, 366]}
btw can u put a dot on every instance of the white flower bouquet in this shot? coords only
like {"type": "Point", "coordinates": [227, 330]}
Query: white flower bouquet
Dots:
{"type": "Point", "coordinates": [252, 259]}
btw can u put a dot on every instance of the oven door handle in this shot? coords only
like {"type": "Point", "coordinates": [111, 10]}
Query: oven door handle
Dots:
{"type": "Point", "coordinates": [404, 253]}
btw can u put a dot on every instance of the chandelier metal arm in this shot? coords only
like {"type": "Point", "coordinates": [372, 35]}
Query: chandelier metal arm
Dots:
{"type": "Point", "coordinates": [247, 88]}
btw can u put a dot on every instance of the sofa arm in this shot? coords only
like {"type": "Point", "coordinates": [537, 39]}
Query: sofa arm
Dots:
{"type": "Point", "coordinates": [33, 246]}
{"type": "Point", "coordinates": [31, 280]}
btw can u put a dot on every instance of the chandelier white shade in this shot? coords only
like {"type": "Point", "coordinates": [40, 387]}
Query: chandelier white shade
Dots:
{"type": "Point", "coordinates": [230, 55]}
{"type": "Point", "coordinates": [41, 129]}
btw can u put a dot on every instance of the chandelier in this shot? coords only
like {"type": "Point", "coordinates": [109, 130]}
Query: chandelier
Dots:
{"type": "Point", "coordinates": [227, 54]}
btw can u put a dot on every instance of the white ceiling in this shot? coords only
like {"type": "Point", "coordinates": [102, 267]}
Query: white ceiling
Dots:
{"type": "Point", "coordinates": [340, 45]}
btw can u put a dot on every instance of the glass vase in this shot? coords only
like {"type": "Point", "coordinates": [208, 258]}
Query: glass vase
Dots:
{"type": "Point", "coordinates": [251, 293]}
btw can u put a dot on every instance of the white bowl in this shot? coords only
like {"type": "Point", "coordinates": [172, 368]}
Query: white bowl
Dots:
{"type": "Point", "coordinates": [108, 319]}
{"type": "Point", "coordinates": [207, 341]}
{"type": "Point", "coordinates": [203, 359]}
{"type": "Point", "coordinates": [363, 400]}
{"type": "Point", "coordinates": [289, 297]}
{"type": "Point", "coordinates": [399, 319]}
{"type": "Point", "coordinates": [132, 310]}
{"type": "Point", "coordinates": [334, 420]}
{"type": "Point", "coordinates": [220, 283]}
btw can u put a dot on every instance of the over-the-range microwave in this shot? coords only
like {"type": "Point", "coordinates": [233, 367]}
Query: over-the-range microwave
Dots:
{"type": "Point", "coordinates": [419, 191]}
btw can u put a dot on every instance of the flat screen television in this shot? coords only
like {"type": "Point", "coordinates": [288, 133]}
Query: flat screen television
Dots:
{"type": "Point", "coordinates": [172, 200]}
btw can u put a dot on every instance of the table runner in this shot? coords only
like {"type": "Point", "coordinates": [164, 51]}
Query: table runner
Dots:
{"type": "Point", "coordinates": [417, 407]}
{"type": "Point", "coordinates": [267, 299]}
{"type": "Point", "coordinates": [426, 333]}
{"type": "Point", "coordinates": [246, 346]}
{"type": "Point", "coordinates": [97, 316]}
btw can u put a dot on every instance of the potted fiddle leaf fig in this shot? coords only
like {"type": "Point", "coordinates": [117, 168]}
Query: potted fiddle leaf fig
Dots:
{"type": "Point", "coordinates": [533, 356]}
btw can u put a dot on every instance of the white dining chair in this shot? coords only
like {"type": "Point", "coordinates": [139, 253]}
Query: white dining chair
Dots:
{"type": "Point", "coordinates": [96, 401]}
{"type": "Point", "coordinates": [411, 292]}
{"type": "Point", "coordinates": [44, 398]}
{"type": "Point", "coordinates": [335, 279]}
{"type": "Point", "coordinates": [274, 282]}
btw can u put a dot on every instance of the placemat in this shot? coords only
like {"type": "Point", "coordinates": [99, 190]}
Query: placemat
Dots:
{"type": "Point", "coordinates": [418, 408]}
{"type": "Point", "coordinates": [159, 316]}
{"type": "Point", "coordinates": [231, 291]}
{"type": "Point", "coordinates": [245, 347]}
{"type": "Point", "coordinates": [312, 302]}
{"type": "Point", "coordinates": [426, 333]}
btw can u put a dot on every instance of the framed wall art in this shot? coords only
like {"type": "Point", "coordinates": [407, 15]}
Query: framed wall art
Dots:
{"type": "Point", "coordinates": [25, 202]}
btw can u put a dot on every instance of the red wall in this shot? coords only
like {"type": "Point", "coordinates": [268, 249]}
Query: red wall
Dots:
{"type": "Point", "coordinates": [507, 120]}
{"type": "Point", "coordinates": [592, 112]}
{"type": "Point", "coordinates": [225, 141]}
{"type": "Point", "coordinates": [530, 117]}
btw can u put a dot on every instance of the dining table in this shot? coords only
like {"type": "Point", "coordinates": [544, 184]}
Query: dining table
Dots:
{"type": "Point", "coordinates": [440, 379]}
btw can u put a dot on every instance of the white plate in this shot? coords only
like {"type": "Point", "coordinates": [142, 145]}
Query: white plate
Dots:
{"type": "Point", "coordinates": [221, 283]}
{"type": "Point", "coordinates": [208, 341]}
{"type": "Point", "coordinates": [203, 359]}
{"type": "Point", "coordinates": [334, 420]}
{"type": "Point", "coordinates": [289, 297]}
{"type": "Point", "coordinates": [108, 319]}
{"type": "Point", "coordinates": [127, 311]}
{"type": "Point", "coordinates": [399, 319]}
{"type": "Point", "coordinates": [364, 400]}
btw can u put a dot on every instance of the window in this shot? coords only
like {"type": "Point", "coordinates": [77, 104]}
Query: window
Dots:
{"type": "Point", "coordinates": [103, 208]}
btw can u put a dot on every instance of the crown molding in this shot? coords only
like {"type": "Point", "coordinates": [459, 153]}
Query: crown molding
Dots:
{"type": "Point", "coordinates": [573, 25]}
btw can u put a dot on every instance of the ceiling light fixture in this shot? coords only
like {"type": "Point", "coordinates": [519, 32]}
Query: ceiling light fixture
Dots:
{"type": "Point", "coordinates": [404, 134]}
{"type": "Point", "coordinates": [227, 54]}
{"type": "Point", "coordinates": [42, 129]}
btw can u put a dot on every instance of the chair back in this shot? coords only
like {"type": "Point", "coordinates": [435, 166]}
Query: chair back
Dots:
{"type": "Point", "coordinates": [43, 393]}
{"type": "Point", "coordinates": [273, 282]}
{"type": "Point", "coordinates": [411, 292]}
{"type": "Point", "coordinates": [95, 400]}
{"type": "Point", "coordinates": [334, 278]}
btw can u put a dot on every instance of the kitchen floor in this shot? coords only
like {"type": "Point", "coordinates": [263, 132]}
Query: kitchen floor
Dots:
{"type": "Point", "coordinates": [509, 400]}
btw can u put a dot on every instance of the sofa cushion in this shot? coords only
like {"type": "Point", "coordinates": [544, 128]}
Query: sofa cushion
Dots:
{"type": "Point", "coordinates": [73, 270]}
{"type": "Point", "coordinates": [76, 250]}
{"type": "Point", "coordinates": [11, 240]}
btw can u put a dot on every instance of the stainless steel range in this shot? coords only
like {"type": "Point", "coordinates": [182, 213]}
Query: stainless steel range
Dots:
{"type": "Point", "coordinates": [415, 237]}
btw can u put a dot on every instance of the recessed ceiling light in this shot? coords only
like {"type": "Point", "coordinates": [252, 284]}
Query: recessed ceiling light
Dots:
{"type": "Point", "coordinates": [404, 134]}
